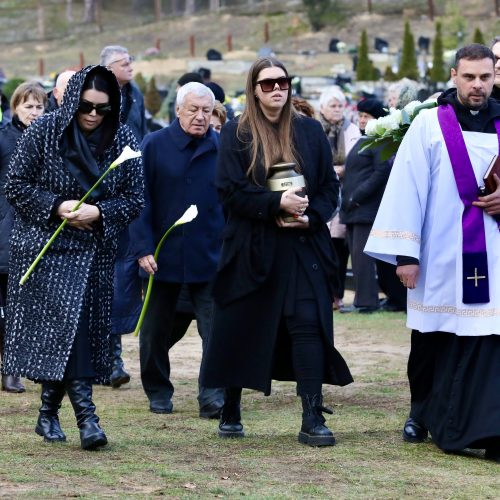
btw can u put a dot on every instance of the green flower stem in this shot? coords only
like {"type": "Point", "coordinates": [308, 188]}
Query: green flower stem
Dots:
{"type": "Point", "coordinates": [63, 223]}
{"type": "Point", "coordinates": [150, 282]}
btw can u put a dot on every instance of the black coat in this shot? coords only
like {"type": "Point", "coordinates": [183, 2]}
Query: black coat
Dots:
{"type": "Point", "coordinates": [365, 179]}
{"type": "Point", "coordinates": [76, 273]}
{"type": "Point", "coordinates": [257, 271]}
{"type": "Point", "coordinates": [9, 136]}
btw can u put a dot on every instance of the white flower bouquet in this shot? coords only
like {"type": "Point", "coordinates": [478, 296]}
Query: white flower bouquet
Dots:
{"type": "Point", "coordinates": [388, 131]}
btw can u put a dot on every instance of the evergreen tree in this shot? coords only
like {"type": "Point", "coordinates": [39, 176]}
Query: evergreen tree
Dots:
{"type": "Point", "coordinates": [408, 66]}
{"type": "Point", "coordinates": [152, 98]}
{"type": "Point", "coordinates": [141, 82]}
{"type": "Point", "coordinates": [317, 12]}
{"type": "Point", "coordinates": [364, 67]}
{"type": "Point", "coordinates": [389, 75]}
{"type": "Point", "coordinates": [438, 73]}
{"type": "Point", "coordinates": [478, 37]}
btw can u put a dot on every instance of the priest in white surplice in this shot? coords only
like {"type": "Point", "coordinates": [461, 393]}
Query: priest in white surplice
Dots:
{"type": "Point", "coordinates": [445, 239]}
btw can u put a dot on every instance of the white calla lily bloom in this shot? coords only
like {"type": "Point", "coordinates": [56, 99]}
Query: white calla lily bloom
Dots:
{"type": "Point", "coordinates": [127, 154]}
{"type": "Point", "coordinates": [188, 216]}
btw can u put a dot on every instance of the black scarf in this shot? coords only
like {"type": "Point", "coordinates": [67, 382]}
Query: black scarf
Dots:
{"type": "Point", "coordinates": [18, 123]}
{"type": "Point", "coordinates": [79, 156]}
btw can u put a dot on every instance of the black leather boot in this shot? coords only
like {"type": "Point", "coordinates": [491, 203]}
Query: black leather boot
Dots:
{"type": "Point", "coordinates": [118, 375]}
{"type": "Point", "coordinates": [48, 421]}
{"type": "Point", "coordinates": [230, 425]}
{"type": "Point", "coordinates": [80, 395]}
{"type": "Point", "coordinates": [10, 383]}
{"type": "Point", "coordinates": [314, 432]}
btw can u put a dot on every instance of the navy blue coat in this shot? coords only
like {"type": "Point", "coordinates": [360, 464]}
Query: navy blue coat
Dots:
{"type": "Point", "coordinates": [9, 135]}
{"type": "Point", "coordinates": [178, 174]}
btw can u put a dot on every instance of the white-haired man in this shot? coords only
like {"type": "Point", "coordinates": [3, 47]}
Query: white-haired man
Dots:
{"type": "Point", "coordinates": [179, 164]}
{"type": "Point", "coordinates": [57, 94]}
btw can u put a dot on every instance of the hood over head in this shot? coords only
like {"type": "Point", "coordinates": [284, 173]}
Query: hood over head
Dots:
{"type": "Point", "coordinates": [72, 95]}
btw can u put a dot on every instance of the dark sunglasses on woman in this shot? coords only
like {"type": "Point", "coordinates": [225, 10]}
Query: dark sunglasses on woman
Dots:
{"type": "Point", "coordinates": [87, 107]}
{"type": "Point", "coordinates": [268, 84]}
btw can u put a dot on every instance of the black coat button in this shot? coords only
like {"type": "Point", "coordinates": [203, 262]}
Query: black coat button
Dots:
{"type": "Point", "coordinates": [302, 239]}
{"type": "Point", "coordinates": [315, 267]}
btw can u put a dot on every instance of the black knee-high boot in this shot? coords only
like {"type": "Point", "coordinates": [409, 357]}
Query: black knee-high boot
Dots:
{"type": "Point", "coordinates": [314, 432]}
{"type": "Point", "coordinates": [48, 421]}
{"type": "Point", "coordinates": [230, 425]}
{"type": "Point", "coordinates": [80, 395]}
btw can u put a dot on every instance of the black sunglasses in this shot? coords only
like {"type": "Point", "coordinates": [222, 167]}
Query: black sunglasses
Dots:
{"type": "Point", "coordinates": [268, 84]}
{"type": "Point", "coordinates": [87, 107]}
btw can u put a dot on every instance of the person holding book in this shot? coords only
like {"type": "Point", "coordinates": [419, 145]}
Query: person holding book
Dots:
{"type": "Point", "coordinates": [59, 320]}
{"type": "Point", "coordinates": [445, 239]}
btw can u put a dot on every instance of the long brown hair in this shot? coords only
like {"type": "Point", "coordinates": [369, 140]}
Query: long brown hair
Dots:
{"type": "Point", "coordinates": [270, 143]}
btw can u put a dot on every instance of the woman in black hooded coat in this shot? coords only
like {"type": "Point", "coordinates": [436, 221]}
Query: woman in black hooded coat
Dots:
{"type": "Point", "coordinates": [58, 322]}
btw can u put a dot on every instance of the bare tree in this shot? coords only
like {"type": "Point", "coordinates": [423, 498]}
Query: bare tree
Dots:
{"type": "Point", "coordinates": [497, 8]}
{"type": "Point", "coordinates": [89, 11]}
{"type": "Point", "coordinates": [69, 11]}
{"type": "Point", "coordinates": [40, 11]}
{"type": "Point", "coordinates": [214, 5]}
{"type": "Point", "coordinates": [370, 7]}
{"type": "Point", "coordinates": [431, 9]}
{"type": "Point", "coordinates": [190, 8]}
{"type": "Point", "coordinates": [157, 10]}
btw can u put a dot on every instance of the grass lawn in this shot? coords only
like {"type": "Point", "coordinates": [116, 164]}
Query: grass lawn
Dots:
{"type": "Point", "coordinates": [180, 455]}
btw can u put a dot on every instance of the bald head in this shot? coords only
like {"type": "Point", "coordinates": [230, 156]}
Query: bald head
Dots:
{"type": "Point", "coordinates": [61, 84]}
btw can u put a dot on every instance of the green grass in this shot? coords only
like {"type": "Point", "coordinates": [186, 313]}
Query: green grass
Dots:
{"type": "Point", "coordinates": [180, 455]}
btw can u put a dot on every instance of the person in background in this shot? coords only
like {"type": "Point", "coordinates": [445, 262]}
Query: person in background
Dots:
{"type": "Point", "coordinates": [179, 164]}
{"type": "Point", "coordinates": [342, 135]}
{"type": "Point", "coordinates": [59, 321]}
{"type": "Point", "coordinates": [302, 106]}
{"type": "Point", "coordinates": [495, 48]}
{"type": "Point", "coordinates": [273, 294]}
{"type": "Point", "coordinates": [219, 116]}
{"type": "Point", "coordinates": [221, 97]}
{"type": "Point", "coordinates": [365, 178]}
{"type": "Point", "coordinates": [27, 103]}
{"type": "Point", "coordinates": [168, 105]}
{"type": "Point", "coordinates": [127, 301]}
{"type": "Point", "coordinates": [56, 96]}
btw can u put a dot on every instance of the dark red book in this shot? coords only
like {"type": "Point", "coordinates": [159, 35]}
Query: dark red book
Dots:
{"type": "Point", "coordinates": [493, 168]}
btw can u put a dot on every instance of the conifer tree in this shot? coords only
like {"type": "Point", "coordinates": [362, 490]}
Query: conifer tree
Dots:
{"type": "Point", "coordinates": [152, 98]}
{"type": "Point", "coordinates": [141, 82]}
{"type": "Point", "coordinates": [478, 37]}
{"type": "Point", "coordinates": [408, 66]}
{"type": "Point", "coordinates": [364, 68]}
{"type": "Point", "coordinates": [438, 73]}
{"type": "Point", "coordinates": [389, 75]}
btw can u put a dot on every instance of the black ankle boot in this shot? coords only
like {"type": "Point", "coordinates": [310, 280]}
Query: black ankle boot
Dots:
{"type": "Point", "coordinates": [48, 422]}
{"type": "Point", "coordinates": [118, 375]}
{"type": "Point", "coordinates": [80, 395]}
{"type": "Point", "coordinates": [314, 432]}
{"type": "Point", "coordinates": [230, 420]}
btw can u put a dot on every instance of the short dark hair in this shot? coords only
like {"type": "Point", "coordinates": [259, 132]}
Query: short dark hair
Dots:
{"type": "Point", "coordinates": [474, 52]}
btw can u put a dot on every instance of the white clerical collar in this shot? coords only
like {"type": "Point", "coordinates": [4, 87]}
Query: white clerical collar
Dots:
{"type": "Point", "coordinates": [474, 112]}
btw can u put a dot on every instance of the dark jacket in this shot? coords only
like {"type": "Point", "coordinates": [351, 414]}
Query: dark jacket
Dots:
{"type": "Point", "coordinates": [180, 172]}
{"type": "Point", "coordinates": [365, 179]}
{"type": "Point", "coordinates": [257, 271]}
{"type": "Point", "coordinates": [43, 314]}
{"type": "Point", "coordinates": [9, 136]}
{"type": "Point", "coordinates": [133, 111]}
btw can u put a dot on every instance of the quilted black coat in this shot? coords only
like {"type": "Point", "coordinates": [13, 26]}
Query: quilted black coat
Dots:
{"type": "Point", "coordinates": [43, 314]}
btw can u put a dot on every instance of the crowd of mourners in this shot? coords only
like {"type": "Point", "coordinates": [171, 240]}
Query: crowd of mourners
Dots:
{"type": "Point", "coordinates": [261, 268]}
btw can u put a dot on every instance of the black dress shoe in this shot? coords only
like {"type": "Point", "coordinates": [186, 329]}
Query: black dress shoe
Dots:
{"type": "Point", "coordinates": [368, 310]}
{"type": "Point", "coordinates": [492, 454]}
{"type": "Point", "coordinates": [413, 432]}
{"type": "Point", "coordinates": [212, 409]}
{"type": "Point", "coordinates": [161, 406]}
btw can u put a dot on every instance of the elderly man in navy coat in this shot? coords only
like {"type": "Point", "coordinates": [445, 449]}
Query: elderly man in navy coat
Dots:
{"type": "Point", "coordinates": [179, 163]}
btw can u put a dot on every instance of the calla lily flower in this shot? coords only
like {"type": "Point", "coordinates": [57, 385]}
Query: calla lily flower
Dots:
{"type": "Point", "coordinates": [127, 154]}
{"type": "Point", "coordinates": [188, 216]}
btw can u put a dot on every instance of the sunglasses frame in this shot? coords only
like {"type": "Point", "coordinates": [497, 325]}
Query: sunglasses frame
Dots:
{"type": "Point", "coordinates": [100, 109]}
{"type": "Point", "coordinates": [274, 81]}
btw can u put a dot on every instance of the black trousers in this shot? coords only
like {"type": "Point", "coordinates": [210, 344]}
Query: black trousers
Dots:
{"type": "Point", "coordinates": [391, 285]}
{"type": "Point", "coordinates": [157, 337]}
{"type": "Point", "coordinates": [363, 266]}
{"type": "Point", "coordinates": [342, 253]}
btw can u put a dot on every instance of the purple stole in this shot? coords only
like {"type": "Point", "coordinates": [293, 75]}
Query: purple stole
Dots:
{"type": "Point", "coordinates": [475, 283]}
